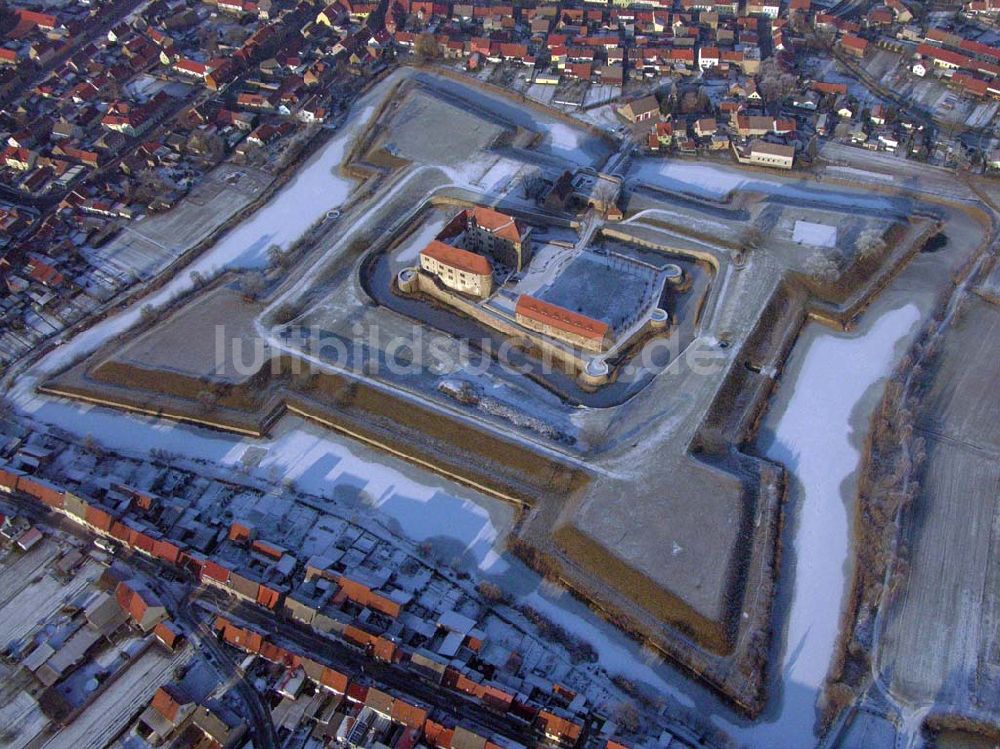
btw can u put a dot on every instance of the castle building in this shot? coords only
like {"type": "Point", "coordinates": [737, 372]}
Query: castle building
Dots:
{"type": "Point", "coordinates": [458, 269]}
{"type": "Point", "coordinates": [496, 234]}
{"type": "Point", "coordinates": [562, 324]}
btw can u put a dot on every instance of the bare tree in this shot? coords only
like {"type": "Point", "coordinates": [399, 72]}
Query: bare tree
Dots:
{"type": "Point", "coordinates": [627, 718]}
{"type": "Point", "coordinates": [751, 238]}
{"type": "Point", "coordinates": [870, 243]}
{"type": "Point", "coordinates": [252, 286]}
{"type": "Point", "coordinates": [534, 186]}
{"type": "Point", "coordinates": [426, 47]}
{"type": "Point", "coordinates": [775, 84]}
{"type": "Point", "coordinates": [278, 258]}
{"type": "Point", "coordinates": [822, 268]}
{"type": "Point", "coordinates": [207, 400]}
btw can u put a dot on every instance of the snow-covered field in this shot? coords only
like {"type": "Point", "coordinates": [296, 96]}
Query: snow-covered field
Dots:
{"type": "Point", "coordinates": [704, 180]}
{"type": "Point", "coordinates": [849, 172]}
{"type": "Point", "coordinates": [813, 436]}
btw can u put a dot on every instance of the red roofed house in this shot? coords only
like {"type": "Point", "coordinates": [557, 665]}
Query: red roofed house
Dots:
{"type": "Point", "coordinates": [168, 634]}
{"type": "Point", "coordinates": [44, 273]}
{"type": "Point", "coordinates": [829, 88]}
{"type": "Point", "coordinates": [458, 269]}
{"type": "Point", "coordinates": [558, 729]}
{"type": "Point", "coordinates": [172, 703]}
{"type": "Point", "coordinates": [944, 58]}
{"type": "Point", "coordinates": [334, 680]}
{"type": "Point", "coordinates": [141, 605]}
{"type": "Point", "coordinates": [561, 324]}
{"type": "Point", "coordinates": [854, 45]}
{"type": "Point", "coordinates": [708, 57]}
{"type": "Point", "coordinates": [20, 159]}
{"type": "Point", "coordinates": [41, 20]}
{"type": "Point", "coordinates": [192, 68]}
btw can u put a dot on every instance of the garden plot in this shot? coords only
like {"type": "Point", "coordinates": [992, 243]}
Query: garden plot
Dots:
{"type": "Point", "coordinates": [20, 569]}
{"type": "Point", "coordinates": [541, 92]}
{"type": "Point", "coordinates": [21, 719]}
{"type": "Point", "coordinates": [104, 718]}
{"type": "Point", "coordinates": [601, 94]}
{"type": "Point", "coordinates": [145, 246]}
{"type": "Point", "coordinates": [984, 114]}
{"type": "Point", "coordinates": [40, 600]}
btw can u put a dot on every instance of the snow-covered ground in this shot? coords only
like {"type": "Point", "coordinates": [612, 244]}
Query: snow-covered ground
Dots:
{"type": "Point", "coordinates": [409, 251]}
{"type": "Point", "coordinates": [21, 720]}
{"type": "Point", "coordinates": [413, 501]}
{"type": "Point", "coordinates": [541, 92]}
{"type": "Point", "coordinates": [315, 189]}
{"type": "Point", "coordinates": [849, 172]}
{"type": "Point", "coordinates": [601, 93]}
{"type": "Point", "coordinates": [716, 181]}
{"type": "Point", "coordinates": [616, 653]}
{"type": "Point", "coordinates": [564, 141]}
{"type": "Point", "coordinates": [817, 235]}
{"type": "Point", "coordinates": [603, 117]}
{"type": "Point", "coordinates": [813, 436]}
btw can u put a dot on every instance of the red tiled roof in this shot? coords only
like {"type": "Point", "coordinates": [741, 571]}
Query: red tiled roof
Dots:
{"type": "Point", "coordinates": [854, 42]}
{"type": "Point", "coordinates": [334, 680]}
{"type": "Point", "coordinates": [500, 224]}
{"type": "Point", "coordinates": [457, 258]}
{"type": "Point", "coordinates": [553, 725]}
{"type": "Point", "coordinates": [560, 318]}
{"type": "Point", "coordinates": [978, 48]}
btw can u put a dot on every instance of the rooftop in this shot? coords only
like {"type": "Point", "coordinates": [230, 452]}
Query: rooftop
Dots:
{"type": "Point", "coordinates": [561, 318]}
{"type": "Point", "coordinates": [457, 258]}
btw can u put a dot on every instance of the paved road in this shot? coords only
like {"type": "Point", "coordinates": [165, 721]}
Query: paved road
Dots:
{"type": "Point", "coordinates": [259, 714]}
